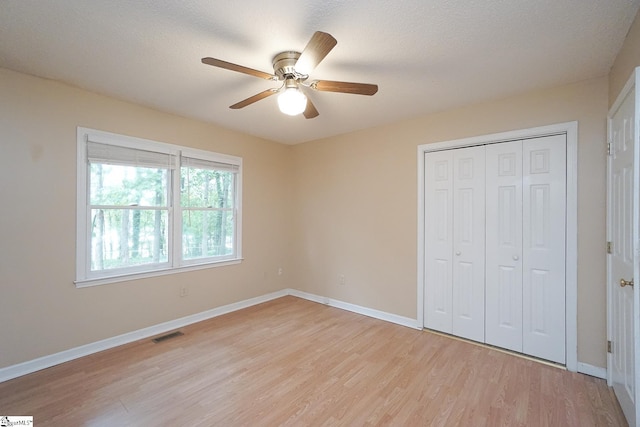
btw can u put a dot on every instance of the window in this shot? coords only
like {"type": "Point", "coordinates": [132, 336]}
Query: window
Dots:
{"type": "Point", "coordinates": [148, 208]}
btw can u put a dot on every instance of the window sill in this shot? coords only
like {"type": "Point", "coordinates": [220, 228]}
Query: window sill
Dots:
{"type": "Point", "coordinates": [85, 283]}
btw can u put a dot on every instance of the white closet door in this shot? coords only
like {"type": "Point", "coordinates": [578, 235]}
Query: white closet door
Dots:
{"type": "Point", "coordinates": [468, 242]}
{"type": "Point", "coordinates": [438, 240]}
{"type": "Point", "coordinates": [503, 297]}
{"type": "Point", "coordinates": [543, 256]}
{"type": "Point", "coordinates": [495, 244]}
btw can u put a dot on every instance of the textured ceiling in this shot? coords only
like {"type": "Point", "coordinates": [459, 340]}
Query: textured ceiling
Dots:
{"type": "Point", "coordinates": [425, 55]}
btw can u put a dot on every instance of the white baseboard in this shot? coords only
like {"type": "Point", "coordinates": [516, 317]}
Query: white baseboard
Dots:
{"type": "Point", "coordinates": [594, 371]}
{"type": "Point", "coordinates": [44, 362]}
{"type": "Point", "coordinates": [377, 314]}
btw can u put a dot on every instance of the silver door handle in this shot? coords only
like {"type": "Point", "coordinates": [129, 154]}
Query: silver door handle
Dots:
{"type": "Point", "coordinates": [516, 257]}
{"type": "Point", "coordinates": [458, 253]}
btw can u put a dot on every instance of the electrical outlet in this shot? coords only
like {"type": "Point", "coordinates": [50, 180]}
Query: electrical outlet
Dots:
{"type": "Point", "coordinates": [279, 271]}
{"type": "Point", "coordinates": [184, 291]}
{"type": "Point", "coordinates": [341, 280]}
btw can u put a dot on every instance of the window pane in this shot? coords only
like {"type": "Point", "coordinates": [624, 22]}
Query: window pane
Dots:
{"type": "Point", "coordinates": [128, 237]}
{"type": "Point", "coordinates": [207, 188]}
{"type": "Point", "coordinates": [116, 185]}
{"type": "Point", "coordinates": [207, 233]}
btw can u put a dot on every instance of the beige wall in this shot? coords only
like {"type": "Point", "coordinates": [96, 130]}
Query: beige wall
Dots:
{"type": "Point", "coordinates": [41, 311]}
{"type": "Point", "coordinates": [345, 205]}
{"type": "Point", "coordinates": [628, 58]}
{"type": "Point", "coordinates": [355, 210]}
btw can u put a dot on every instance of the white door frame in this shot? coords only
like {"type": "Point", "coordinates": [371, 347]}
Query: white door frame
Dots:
{"type": "Point", "coordinates": [632, 84]}
{"type": "Point", "coordinates": [570, 129]}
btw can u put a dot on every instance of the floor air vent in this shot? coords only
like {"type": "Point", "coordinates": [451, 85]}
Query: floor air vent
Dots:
{"type": "Point", "coordinates": [167, 336]}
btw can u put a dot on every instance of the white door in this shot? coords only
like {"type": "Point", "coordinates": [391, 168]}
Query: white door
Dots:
{"type": "Point", "coordinates": [468, 242]}
{"type": "Point", "coordinates": [503, 320]}
{"type": "Point", "coordinates": [438, 240]}
{"type": "Point", "coordinates": [543, 247]}
{"type": "Point", "coordinates": [623, 260]}
{"type": "Point", "coordinates": [525, 246]}
{"type": "Point", "coordinates": [454, 250]}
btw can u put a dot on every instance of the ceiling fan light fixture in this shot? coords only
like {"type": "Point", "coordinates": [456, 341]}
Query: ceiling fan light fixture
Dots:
{"type": "Point", "coordinates": [292, 102]}
{"type": "Point", "coordinates": [293, 68]}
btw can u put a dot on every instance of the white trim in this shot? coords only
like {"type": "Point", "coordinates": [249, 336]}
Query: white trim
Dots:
{"type": "Point", "coordinates": [154, 273]}
{"type": "Point", "coordinates": [44, 362]}
{"type": "Point", "coordinates": [571, 254]}
{"type": "Point", "coordinates": [421, 231]}
{"type": "Point", "coordinates": [82, 222]}
{"type": "Point", "coordinates": [555, 129]}
{"type": "Point", "coordinates": [34, 365]}
{"type": "Point", "coordinates": [238, 213]}
{"type": "Point", "coordinates": [571, 262]}
{"type": "Point", "coordinates": [636, 250]}
{"type": "Point", "coordinates": [609, 231]}
{"type": "Point", "coordinates": [370, 312]}
{"type": "Point", "coordinates": [594, 371]}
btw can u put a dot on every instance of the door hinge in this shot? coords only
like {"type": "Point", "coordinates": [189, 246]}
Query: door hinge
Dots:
{"type": "Point", "coordinates": [609, 346]}
{"type": "Point", "coordinates": [609, 247]}
{"type": "Point", "coordinates": [609, 148]}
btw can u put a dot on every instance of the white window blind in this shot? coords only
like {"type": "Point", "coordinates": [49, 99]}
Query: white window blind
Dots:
{"type": "Point", "coordinates": [190, 162]}
{"type": "Point", "coordinates": [118, 155]}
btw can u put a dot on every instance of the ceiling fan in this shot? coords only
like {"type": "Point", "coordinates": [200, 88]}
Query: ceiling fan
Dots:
{"type": "Point", "coordinates": [293, 69]}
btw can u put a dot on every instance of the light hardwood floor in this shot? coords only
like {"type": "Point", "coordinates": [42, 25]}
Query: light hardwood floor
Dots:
{"type": "Point", "coordinates": [294, 362]}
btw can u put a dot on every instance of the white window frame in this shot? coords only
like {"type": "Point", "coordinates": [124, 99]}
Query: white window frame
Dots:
{"type": "Point", "coordinates": [84, 275]}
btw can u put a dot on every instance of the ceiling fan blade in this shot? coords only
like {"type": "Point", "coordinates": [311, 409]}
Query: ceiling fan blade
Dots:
{"type": "Point", "coordinates": [239, 68]}
{"type": "Point", "coordinates": [344, 87]}
{"type": "Point", "coordinates": [310, 112]}
{"type": "Point", "coordinates": [254, 98]}
{"type": "Point", "coordinates": [315, 51]}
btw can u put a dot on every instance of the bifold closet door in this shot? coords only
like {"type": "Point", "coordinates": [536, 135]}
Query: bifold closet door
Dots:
{"type": "Point", "coordinates": [544, 247]}
{"type": "Point", "coordinates": [454, 231]}
{"type": "Point", "coordinates": [525, 246]}
{"type": "Point", "coordinates": [468, 242]}
{"type": "Point", "coordinates": [439, 241]}
{"type": "Point", "coordinates": [503, 288]}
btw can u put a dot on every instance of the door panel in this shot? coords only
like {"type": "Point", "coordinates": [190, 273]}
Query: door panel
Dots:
{"type": "Point", "coordinates": [543, 253]}
{"type": "Point", "coordinates": [438, 240]}
{"type": "Point", "coordinates": [468, 242]}
{"type": "Point", "coordinates": [621, 261]}
{"type": "Point", "coordinates": [508, 315]}
{"type": "Point", "coordinates": [508, 199]}
{"type": "Point", "coordinates": [503, 286]}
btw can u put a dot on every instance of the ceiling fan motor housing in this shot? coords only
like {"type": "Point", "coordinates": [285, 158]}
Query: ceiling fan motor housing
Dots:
{"type": "Point", "coordinates": [284, 66]}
